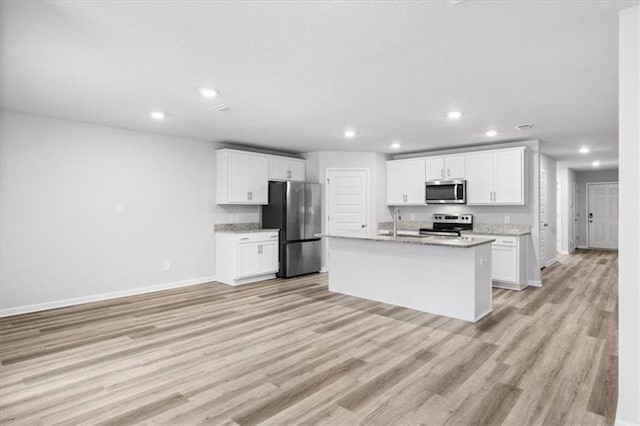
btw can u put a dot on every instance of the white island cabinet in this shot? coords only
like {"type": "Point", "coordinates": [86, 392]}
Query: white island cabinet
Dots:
{"type": "Point", "coordinates": [444, 276]}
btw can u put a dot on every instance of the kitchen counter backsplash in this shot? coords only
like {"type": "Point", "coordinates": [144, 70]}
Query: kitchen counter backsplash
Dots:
{"type": "Point", "coordinates": [235, 227]}
{"type": "Point", "coordinates": [478, 228]}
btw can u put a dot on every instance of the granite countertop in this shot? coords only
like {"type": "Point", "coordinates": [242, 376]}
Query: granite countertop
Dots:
{"type": "Point", "coordinates": [431, 240]}
{"type": "Point", "coordinates": [503, 230]}
{"type": "Point", "coordinates": [242, 228]}
{"type": "Point", "coordinates": [246, 231]}
{"type": "Point", "coordinates": [506, 230]}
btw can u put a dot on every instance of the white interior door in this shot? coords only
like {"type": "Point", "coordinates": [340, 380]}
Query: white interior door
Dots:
{"type": "Point", "coordinates": [603, 215]}
{"type": "Point", "coordinates": [347, 200]}
{"type": "Point", "coordinates": [544, 220]}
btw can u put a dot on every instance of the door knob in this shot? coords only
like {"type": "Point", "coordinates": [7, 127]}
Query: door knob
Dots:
{"type": "Point", "coordinates": [363, 226]}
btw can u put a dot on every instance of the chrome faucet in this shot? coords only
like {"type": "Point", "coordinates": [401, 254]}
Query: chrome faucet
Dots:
{"type": "Point", "coordinates": [396, 214]}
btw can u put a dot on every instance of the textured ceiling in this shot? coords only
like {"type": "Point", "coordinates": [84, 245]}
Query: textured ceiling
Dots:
{"type": "Point", "coordinates": [296, 74]}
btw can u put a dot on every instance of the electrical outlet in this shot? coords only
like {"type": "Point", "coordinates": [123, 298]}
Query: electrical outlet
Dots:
{"type": "Point", "coordinates": [507, 219]}
{"type": "Point", "coordinates": [237, 218]}
{"type": "Point", "coordinates": [483, 261]}
{"type": "Point", "coordinates": [166, 265]}
{"type": "Point", "coordinates": [119, 209]}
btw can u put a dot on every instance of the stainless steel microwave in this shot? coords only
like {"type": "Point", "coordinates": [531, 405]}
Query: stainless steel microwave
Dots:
{"type": "Point", "coordinates": [446, 192]}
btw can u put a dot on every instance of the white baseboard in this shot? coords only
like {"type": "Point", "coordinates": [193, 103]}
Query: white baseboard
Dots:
{"type": "Point", "coordinates": [535, 283]}
{"type": "Point", "coordinates": [324, 269]}
{"type": "Point", "coordinates": [566, 251]}
{"type": "Point", "coordinates": [102, 296]}
{"type": "Point", "coordinates": [551, 262]}
{"type": "Point", "coordinates": [583, 247]}
{"type": "Point", "coordinates": [249, 280]}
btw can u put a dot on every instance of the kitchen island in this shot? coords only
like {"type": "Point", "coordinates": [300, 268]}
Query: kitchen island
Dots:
{"type": "Point", "coordinates": [441, 275]}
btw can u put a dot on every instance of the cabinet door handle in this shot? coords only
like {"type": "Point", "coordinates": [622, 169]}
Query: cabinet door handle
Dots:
{"type": "Point", "coordinates": [289, 174]}
{"type": "Point", "coordinates": [442, 172]}
{"type": "Point", "coordinates": [448, 172]}
{"type": "Point", "coordinates": [260, 249]}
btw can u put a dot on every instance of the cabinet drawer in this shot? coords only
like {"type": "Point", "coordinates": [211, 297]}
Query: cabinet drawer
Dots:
{"type": "Point", "coordinates": [257, 236]}
{"type": "Point", "coordinates": [505, 241]}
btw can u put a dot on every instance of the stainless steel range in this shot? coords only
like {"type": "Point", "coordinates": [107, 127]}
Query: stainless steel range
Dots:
{"type": "Point", "coordinates": [449, 225]}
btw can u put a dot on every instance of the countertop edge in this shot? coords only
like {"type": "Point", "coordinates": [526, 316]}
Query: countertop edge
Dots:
{"type": "Point", "coordinates": [246, 231]}
{"type": "Point", "coordinates": [412, 240]}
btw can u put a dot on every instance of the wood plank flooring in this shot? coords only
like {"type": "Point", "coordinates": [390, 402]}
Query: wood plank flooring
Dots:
{"type": "Point", "coordinates": [290, 352]}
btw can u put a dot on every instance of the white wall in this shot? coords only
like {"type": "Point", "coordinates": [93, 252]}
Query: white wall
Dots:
{"type": "Point", "coordinates": [565, 209]}
{"type": "Point", "coordinates": [629, 268]}
{"type": "Point", "coordinates": [60, 237]}
{"type": "Point", "coordinates": [584, 177]}
{"type": "Point", "coordinates": [318, 162]}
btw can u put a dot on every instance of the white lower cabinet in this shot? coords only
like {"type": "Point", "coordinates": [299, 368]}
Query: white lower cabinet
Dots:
{"type": "Point", "coordinates": [509, 261]}
{"type": "Point", "coordinates": [246, 257]}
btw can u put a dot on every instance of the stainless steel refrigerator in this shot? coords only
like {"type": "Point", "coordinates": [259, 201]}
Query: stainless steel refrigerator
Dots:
{"type": "Point", "coordinates": [294, 208]}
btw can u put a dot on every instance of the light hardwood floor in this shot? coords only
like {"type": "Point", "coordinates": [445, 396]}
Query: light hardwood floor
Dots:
{"type": "Point", "coordinates": [290, 352]}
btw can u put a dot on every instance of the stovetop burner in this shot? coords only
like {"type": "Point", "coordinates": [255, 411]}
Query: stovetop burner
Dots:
{"type": "Point", "coordinates": [449, 225]}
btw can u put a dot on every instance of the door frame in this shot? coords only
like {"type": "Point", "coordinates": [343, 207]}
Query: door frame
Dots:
{"type": "Point", "coordinates": [586, 215]}
{"type": "Point", "coordinates": [576, 215]}
{"type": "Point", "coordinates": [326, 192]}
{"type": "Point", "coordinates": [541, 227]}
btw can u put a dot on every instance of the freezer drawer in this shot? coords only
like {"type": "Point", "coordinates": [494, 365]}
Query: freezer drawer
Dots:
{"type": "Point", "coordinates": [303, 257]}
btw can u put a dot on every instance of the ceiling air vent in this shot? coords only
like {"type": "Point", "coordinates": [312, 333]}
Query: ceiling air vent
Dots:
{"type": "Point", "coordinates": [525, 126]}
{"type": "Point", "coordinates": [219, 107]}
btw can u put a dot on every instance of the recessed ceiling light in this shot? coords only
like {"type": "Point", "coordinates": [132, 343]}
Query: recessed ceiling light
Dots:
{"type": "Point", "coordinates": [208, 93]}
{"type": "Point", "coordinates": [584, 150]}
{"type": "Point", "coordinates": [157, 115]}
{"type": "Point", "coordinates": [454, 115]}
{"type": "Point", "coordinates": [350, 134]}
{"type": "Point", "coordinates": [595, 163]}
{"type": "Point", "coordinates": [491, 133]}
{"type": "Point", "coordinates": [395, 145]}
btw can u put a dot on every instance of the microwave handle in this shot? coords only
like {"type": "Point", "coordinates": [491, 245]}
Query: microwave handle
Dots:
{"type": "Point", "coordinates": [455, 191]}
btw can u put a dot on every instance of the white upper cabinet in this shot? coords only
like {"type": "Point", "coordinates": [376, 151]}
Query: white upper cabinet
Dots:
{"type": "Point", "coordinates": [405, 182]}
{"type": "Point", "coordinates": [496, 177]}
{"type": "Point", "coordinates": [455, 167]}
{"type": "Point", "coordinates": [242, 178]}
{"type": "Point", "coordinates": [282, 168]}
{"type": "Point", "coordinates": [480, 178]}
{"type": "Point", "coordinates": [445, 168]}
{"type": "Point", "coordinates": [435, 168]}
{"type": "Point", "coordinates": [508, 177]}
